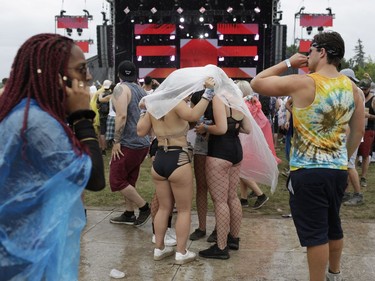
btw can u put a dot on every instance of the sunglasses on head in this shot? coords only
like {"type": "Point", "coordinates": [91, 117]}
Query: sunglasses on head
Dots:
{"type": "Point", "coordinates": [328, 49]}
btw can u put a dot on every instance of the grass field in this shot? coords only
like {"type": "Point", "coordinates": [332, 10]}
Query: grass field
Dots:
{"type": "Point", "coordinates": [275, 207]}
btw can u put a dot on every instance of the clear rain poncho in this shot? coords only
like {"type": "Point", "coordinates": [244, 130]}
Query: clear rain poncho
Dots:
{"type": "Point", "coordinates": [41, 210]}
{"type": "Point", "coordinates": [258, 163]}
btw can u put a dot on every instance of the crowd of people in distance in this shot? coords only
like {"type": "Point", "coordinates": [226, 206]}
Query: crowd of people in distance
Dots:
{"type": "Point", "coordinates": [59, 129]}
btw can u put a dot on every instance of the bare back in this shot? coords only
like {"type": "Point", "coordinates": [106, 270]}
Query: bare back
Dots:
{"type": "Point", "coordinates": [170, 130]}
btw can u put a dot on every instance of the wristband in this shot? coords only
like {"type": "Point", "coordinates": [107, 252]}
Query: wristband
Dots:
{"type": "Point", "coordinates": [288, 64]}
{"type": "Point", "coordinates": [208, 94]}
{"type": "Point", "coordinates": [205, 126]}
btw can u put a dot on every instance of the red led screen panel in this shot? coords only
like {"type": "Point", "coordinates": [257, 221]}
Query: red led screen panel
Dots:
{"type": "Point", "coordinates": [240, 72]}
{"type": "Point", "coordinates": [198, 52]}
{"type": "Point", "coordinates": [72, 22]}
{"type": "Point", "coordinates": [315, 20]}
{"type": "Point", "coordinates": [155, 72]}
{"type": "Point", "coordinates": [152, 51]}
{"type": "Point", "coordinates": [237, 51]}
{"type": "Point", "coordinates": [237, 28]}
{"type": "Point", "coordinates": [156, 29]}
{"type": "Point", "coordinates": [84, 45]}
{"type": "Point", "coordinates": [304, 46]}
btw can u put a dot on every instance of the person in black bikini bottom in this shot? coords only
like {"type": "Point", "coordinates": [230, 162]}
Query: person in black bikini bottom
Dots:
{"type": "Point", "coordinates": [173, 179]}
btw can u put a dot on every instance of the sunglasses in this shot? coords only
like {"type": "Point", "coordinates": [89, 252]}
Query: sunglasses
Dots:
{"type": "Point", "coordinates": [329, 49]}
{"type": "Point", "coordinates": [315, 45]}
{"type": "Point", "coordinates": [82, 69]}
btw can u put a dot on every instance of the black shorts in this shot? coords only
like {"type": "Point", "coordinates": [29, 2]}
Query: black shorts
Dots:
{"type": "Point", "coordinates": [167, 161]}
{"type": "Point", "coordinates": [103, 125]}
{"type": "Point", "coordinates": [315, 200]}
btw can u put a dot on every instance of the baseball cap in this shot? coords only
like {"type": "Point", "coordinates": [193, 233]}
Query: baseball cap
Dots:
{"type": "Point", "coordinates": [107, 84]}
{"type": "Point", "coordinates": [364, 84]}
{"type": "Point", "coordinates": [350, 74]}
{"type": "Point", "coordinates": [127, 71]}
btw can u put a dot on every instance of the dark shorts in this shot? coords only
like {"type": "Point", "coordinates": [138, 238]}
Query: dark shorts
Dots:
{"type": "Point", "coordinates": [125, 171]}
{"type": "Point", "coordinates": [275, 125]}
{"type": "Point", "coordinates": [365, 148]}
{"type": "Point", "coordinates": [315, 204]}
{"type": "Point", "coordinates": [103, 125]}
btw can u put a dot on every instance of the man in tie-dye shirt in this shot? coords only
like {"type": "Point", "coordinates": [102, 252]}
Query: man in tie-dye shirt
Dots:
{"type": "Point", "coordinates": [325, 103]}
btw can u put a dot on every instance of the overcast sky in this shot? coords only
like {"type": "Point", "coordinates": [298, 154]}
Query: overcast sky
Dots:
{"type": "Point", "coordinates": [21, 19]}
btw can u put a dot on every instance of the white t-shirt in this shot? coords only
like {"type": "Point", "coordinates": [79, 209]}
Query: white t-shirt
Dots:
{"type": "Point", "coordinates": [111, 111]}
{"type": "Point", "coordinates": [149, 91]}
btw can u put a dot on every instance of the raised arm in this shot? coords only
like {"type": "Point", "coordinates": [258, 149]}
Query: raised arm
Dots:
{"type": "Point", "coordinates": [104, 99]}
{"type": "Point", "coordinates": [144, 124]}
{"type": "Point", "coordinates": [193, 114]}
{"type": "Point", "coordinates": [270, 83]}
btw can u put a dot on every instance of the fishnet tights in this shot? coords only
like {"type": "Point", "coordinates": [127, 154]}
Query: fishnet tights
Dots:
{"type": "Point", "coordinates": [201, 186]}
{"type": "Point", "coordinates": [222, 180]}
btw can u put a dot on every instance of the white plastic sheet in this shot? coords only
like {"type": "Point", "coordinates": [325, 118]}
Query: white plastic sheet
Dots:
{"type": "Point", "coordinates": [258, 163]}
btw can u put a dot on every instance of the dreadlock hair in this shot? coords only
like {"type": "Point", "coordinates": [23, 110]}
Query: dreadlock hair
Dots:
{"type": "Point", "coordinates": [36, 74]}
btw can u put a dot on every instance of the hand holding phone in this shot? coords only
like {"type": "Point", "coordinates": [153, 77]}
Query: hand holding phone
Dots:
{"type": "Point", "coordinates": [77, 94]}
{"type": "Point", "coordinates": [67, 81]}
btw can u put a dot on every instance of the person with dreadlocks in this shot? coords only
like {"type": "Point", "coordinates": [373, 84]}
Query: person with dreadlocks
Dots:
{"type": "Point", "coordinates": [48, 154]}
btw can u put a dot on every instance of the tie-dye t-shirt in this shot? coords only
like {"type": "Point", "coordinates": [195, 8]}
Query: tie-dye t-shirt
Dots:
{"type": "Point", "coordinates": [319, 139]}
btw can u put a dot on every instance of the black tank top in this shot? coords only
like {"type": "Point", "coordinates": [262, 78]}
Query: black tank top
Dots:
{"type": "Point", "coordinates": [233, 125]}
{"type": "Point", "coordinates": [370, 122]}
{"type": "Point", "coordinates": [228, 145]}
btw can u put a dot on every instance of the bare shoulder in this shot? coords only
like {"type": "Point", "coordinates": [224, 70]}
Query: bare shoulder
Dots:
{"type": "Point", "coordinates": [300, 79]}
{"type": "Point", "coordinates": [302, 90]}
{"type": "Point", "coordinates": [119, 90]}
{"type": "Point", "coordinates": [357, 92]}
{"type": "Point", "coordinates": [287, 85]}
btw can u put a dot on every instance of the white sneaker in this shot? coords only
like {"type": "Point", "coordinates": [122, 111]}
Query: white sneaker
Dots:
{"type": "Point", "coordinates": [334, 276]}
{"type": "Point", "coordinates": [182, 259]}
{"type": "Point", "coordinates": [169, 238]}
{"type": "Point", "coordinates": [161, 254]}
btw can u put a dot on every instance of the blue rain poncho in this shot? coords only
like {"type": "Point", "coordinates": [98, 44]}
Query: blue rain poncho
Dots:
{"type": "Point", "coordinates": [41, 211]}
